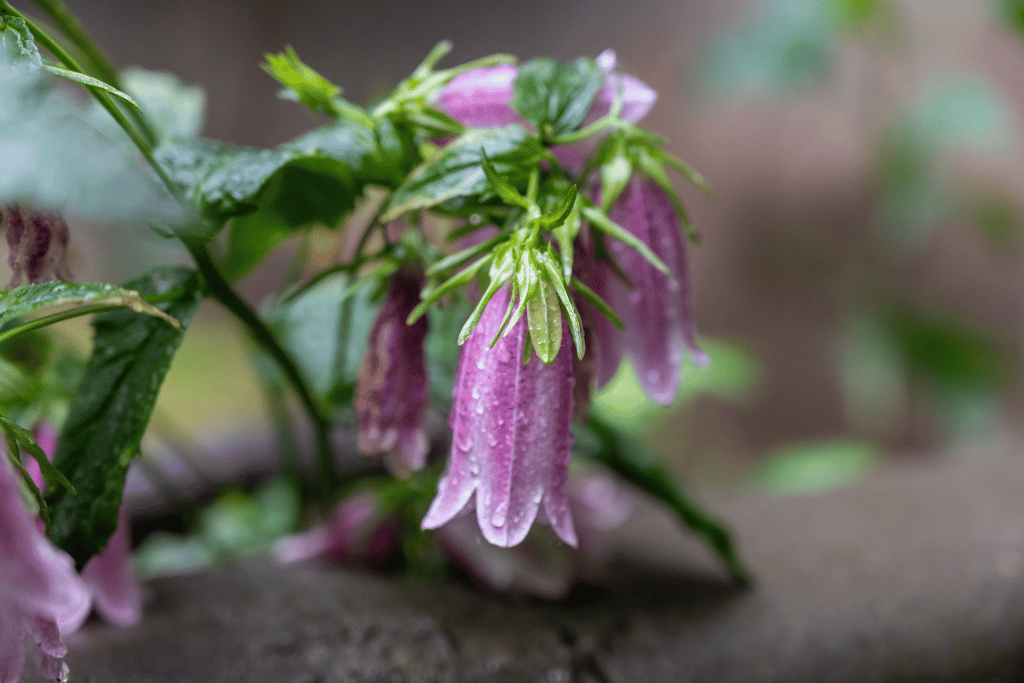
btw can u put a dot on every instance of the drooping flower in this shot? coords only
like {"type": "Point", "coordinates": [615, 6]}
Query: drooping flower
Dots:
{"type": "Point", "coordinates": [359, 531]}
{"type": "Point", "coordinates": [40, 593]}
{"type": "Point", "coordinates": [656, 313]}
{"type": "Point", "coordinates": [38, 244]}
{"type": "Point", "coordinates": [480, 97]}
{"type": "Point", "coordinates": [113, 586]}
{"type": "Point", "coordinates": [511, 442]}
{"type": "Point", "coordinates": [392, 390]}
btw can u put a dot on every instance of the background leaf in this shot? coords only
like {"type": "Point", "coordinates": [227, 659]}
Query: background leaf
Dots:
{"type": "Point", "coordinates": [556, 97]}
{"type": "Point", "coordinates": [112, 408]}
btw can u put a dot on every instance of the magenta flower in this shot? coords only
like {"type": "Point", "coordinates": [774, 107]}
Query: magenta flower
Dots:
{"type": "Point", "coordinates": [479, 98]}
{"type": "Point", "coordinates": [40, 593]}
{"type": "Point", "coordinates": [659, 327]}
{"type": "Point", "coordinates": [38, 243]}
{"type": "Point", "coordinates": [392, 390]}
{"type": "Point", "coordinates": [113, 587]}
{"type": "Point", "coordinates": [511, 442]}
{"type": "Point", "coordinates": [358, 531]}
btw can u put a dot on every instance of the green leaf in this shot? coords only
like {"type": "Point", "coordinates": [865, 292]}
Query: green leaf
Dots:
{"type": "Point", "coordinates": [308, 86]}
{"type": "Point", "coordinates": [24, 439]}
{"type": "Point", "coordinates": [175, 109]}
{"type": "Point", "coordinates": [458, 169]}
{"type": "Point", "coordinates": [381, 155]}
{"type": "Point", "coordinates": [545, 321]}
{"type": "Point", "coordinates": [30, 298]}
{"type": "Point", "coordinates": [250, 239]}
{"type": "Point", "coordinates": [615, 173]}
{"type": "Point", "coordinates": [225, 181]}
{"type": "Point", "coordinates": [600, 442]}
{"type": "Point", "coordinates": [90, 82]}
{"type": "Point", "coordinates": [556, 98]}
{"type": "Point", "coordinates": [109, 414]}
{"type": "Point", "coordinates": [502, 187]}
{"type": "Point", "coordinates": [17, 48]}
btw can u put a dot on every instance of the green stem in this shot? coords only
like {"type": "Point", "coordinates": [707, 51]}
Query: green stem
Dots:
{"type": "Point", "coordinates": [66, 22]}
{"type": "Point", "coordinates": [216, 285]}
{"type": "Point", "coordinates": [64, 58]}
{"type": "Point", "coordinates": [219, 289]}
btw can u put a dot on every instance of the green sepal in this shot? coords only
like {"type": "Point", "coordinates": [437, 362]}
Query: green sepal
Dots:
{"type": "Point", "coordinates": [503, 265]}
{"type": "Point", "coordinates": [544, 321]}
{"type": "Point", "coordinates": [600, 304]}
{"type": "Point", "coordinates": [554, 278]}
{"type": "Point", "coordinates": [454, 282]}
{"type": "Point", "coordinates": [35, 496]}
{"type": "Point", "coordinates": [109, 414]}
{"type": "Point", "coordinates": [600, 221]}
{"type": "Point", "coordinates": [468, 254]}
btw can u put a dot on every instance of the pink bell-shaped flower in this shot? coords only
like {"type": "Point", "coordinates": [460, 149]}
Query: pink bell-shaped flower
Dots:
{"type": "Point", "coordinates": [511, 442]}
{"type": "Point", "coordinates": [656, 313]}
{"type": "Point", "coordinates": [480, 97]}
{"type": "Point", "coordinates": [40, 593]}
{"type": "Point", "coordinates": [115, 590]}
{"type": "Point", "coordinates": [392, 391]}
{"type": "Point", "coordinates": [38, 243]}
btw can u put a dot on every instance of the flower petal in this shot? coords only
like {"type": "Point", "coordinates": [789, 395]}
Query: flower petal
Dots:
{"type": "Point", "coordinates": [116, 591]}
{"type": "Point", "coordinates": [656, 313]}
{"type": "Point", "coordinates": [479, 98]}
{"type": "Point", "coordinates": [511, 437]}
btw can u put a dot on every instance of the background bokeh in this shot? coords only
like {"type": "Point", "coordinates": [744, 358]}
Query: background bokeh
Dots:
{"type": "Point", "coordinates": [859, 283]}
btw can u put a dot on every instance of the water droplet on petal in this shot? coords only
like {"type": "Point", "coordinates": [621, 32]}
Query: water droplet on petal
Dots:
{"type": "Point", "coordinates": [476, 392]}
{"type": "Point", "coordinates": [499, 514]}
{"type": "Point", "coordinates": [464, 441]}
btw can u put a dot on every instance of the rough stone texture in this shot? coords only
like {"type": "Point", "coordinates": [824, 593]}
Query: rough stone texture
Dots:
{"type": "Point", "coordinates": [917, 575]}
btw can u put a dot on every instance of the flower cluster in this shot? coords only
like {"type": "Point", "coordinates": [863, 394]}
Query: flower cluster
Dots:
{"type": "Point", "coordinates": [517, 388]}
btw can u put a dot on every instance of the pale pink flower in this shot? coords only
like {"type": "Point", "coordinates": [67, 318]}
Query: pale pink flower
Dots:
{"type": "Point", "coordinates": [511, 442]}
{"type": "Point", "coordinates": [40, 593]}
{"type": "Point", "coordinates": [656, 312]}
{"type": "Point", "coordinates": [359, 531]}
{"type": "Point", "coordinates": [392, 391]}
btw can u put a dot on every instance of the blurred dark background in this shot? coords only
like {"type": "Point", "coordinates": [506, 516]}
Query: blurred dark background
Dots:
{"type": "Point", "coordinates": [860, 275]}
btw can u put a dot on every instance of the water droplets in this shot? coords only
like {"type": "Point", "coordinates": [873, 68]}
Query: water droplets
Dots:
{"type": "Point", "coordinates": [499, 514]}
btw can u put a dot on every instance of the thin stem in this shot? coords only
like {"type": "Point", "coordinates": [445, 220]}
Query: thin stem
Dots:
{"type": "Point", "coordinates": [219, 289]}
{"type": "Point", "coordinates": [66, 22]}
{"type": "Point", "coordinates": [64, 58]}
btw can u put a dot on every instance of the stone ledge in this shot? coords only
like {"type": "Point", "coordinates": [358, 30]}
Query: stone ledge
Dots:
{"type": "Point", "coordinates": [917, 575]}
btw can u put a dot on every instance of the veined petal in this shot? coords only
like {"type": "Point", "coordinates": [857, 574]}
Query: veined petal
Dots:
{"type": "Point", "coordinates": [657, 313]}
{"type": "Point", "coordinates": [479, 98]}
{"type": "Point", "coordinates": [637, 97]}
{"type": "Point", "coordinates": [116, 591]}
{"type": "Point", "coordinates": [511, 437]}
{"type": "Point", "coordinates": [392, 391]}
{"type": "Point", "coordinates": [38, 243]}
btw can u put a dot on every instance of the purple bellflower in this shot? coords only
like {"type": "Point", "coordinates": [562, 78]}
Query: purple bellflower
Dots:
{"type": "Point", "coordinates": [656, 313]}
{"type": "Point", "coordinates": [113, 587]}
{"type": "Point", "coordinates": [392, 391]}
{"type": "Point", "coordinates": [479, 98]}
{"type": "Point", "coordinates": [38, 243]}
{"type": "Point", "coordinates": [359, 531]}
{"type": "Point", "coordinates": [40, 593]}
{"type": "Point", "coordinates": [511, 442]}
